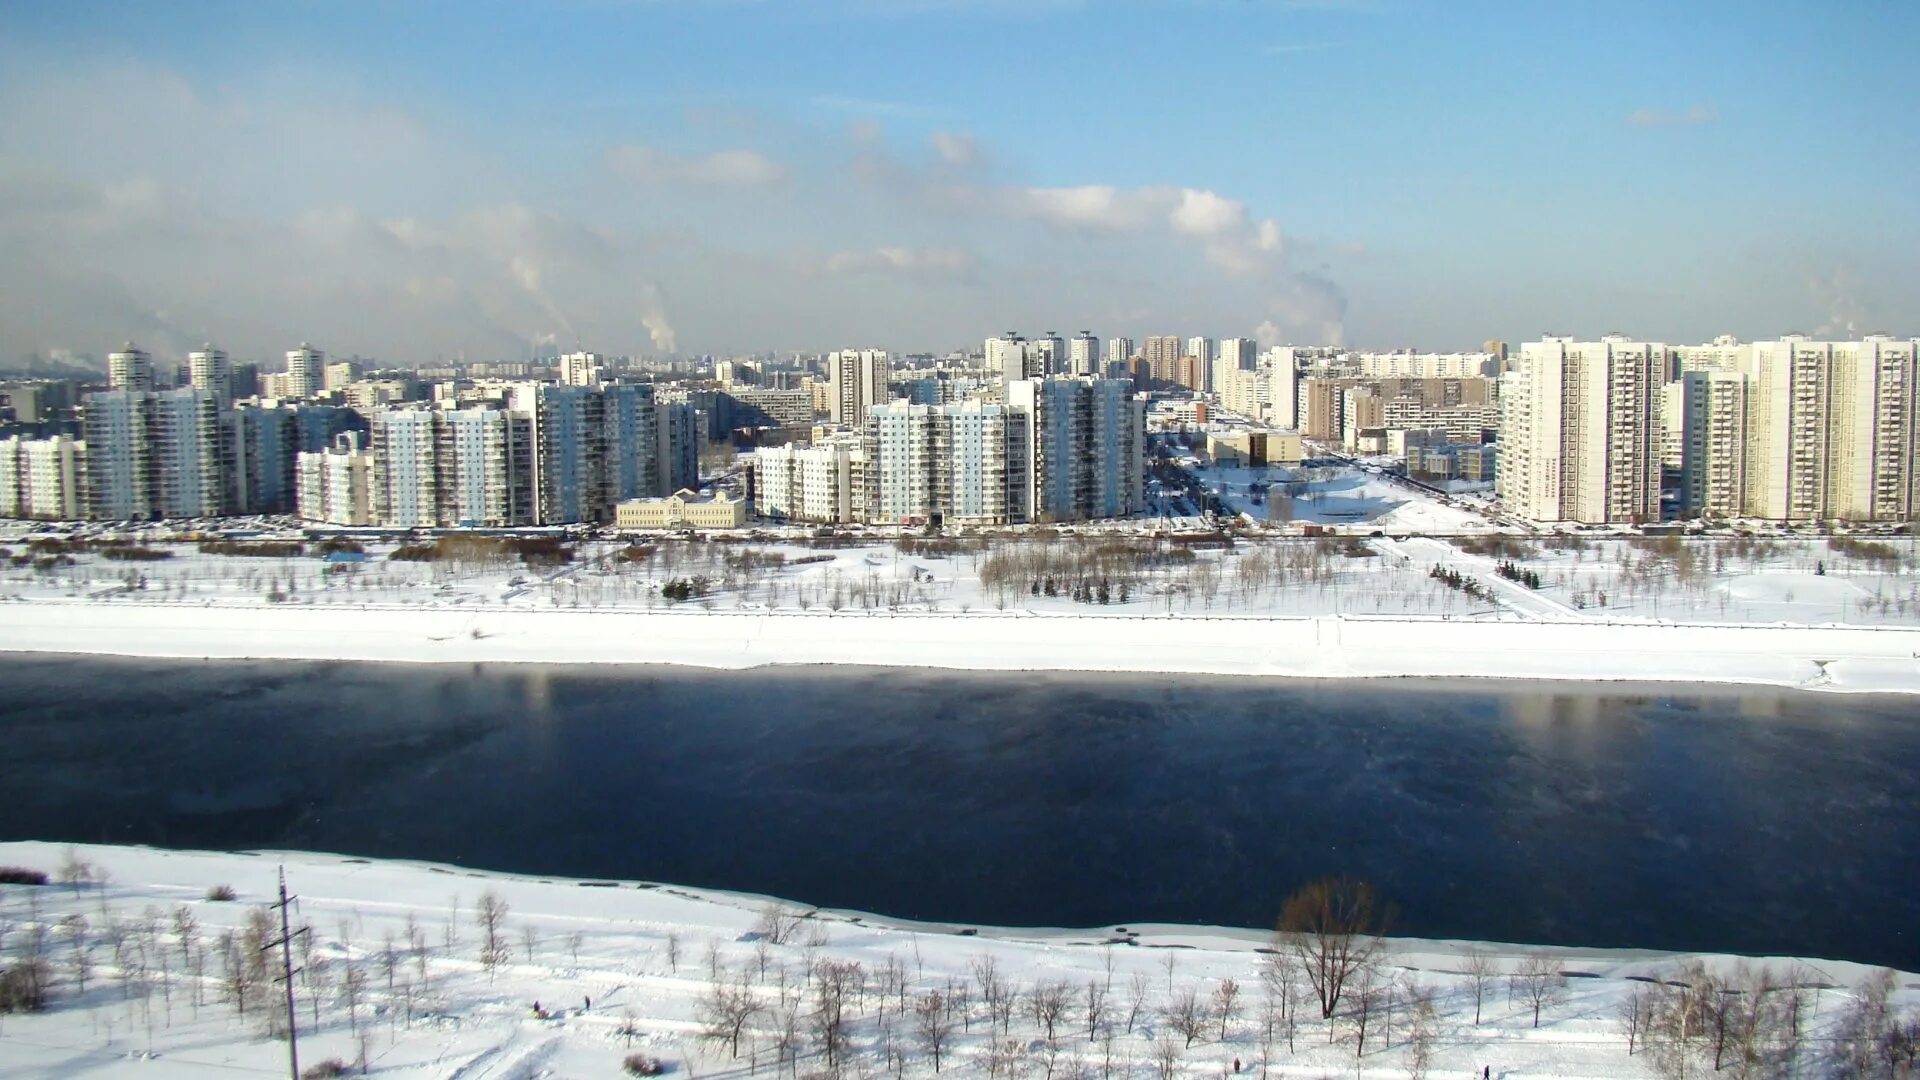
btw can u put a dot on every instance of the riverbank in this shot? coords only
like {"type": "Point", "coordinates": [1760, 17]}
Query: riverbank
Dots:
{"type": "Point", "coordinates": [591, 971]}
{"type": "Point", "coordinates": [1827, 658]}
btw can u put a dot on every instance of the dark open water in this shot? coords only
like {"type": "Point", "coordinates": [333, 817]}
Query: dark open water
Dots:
{"type": "Point", "coordinates": [1689, 818]}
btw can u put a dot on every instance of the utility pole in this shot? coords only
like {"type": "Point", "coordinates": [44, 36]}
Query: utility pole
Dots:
{"type": "Point", "coordinates": [285, 945]}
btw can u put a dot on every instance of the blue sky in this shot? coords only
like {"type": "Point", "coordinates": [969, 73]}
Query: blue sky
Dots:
{"type": "Point", "coordinates": [411, 180]}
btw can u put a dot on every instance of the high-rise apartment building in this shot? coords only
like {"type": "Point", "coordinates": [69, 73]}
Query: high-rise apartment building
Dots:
{"type": "Point", "coordinates": [43, 478]}
{"type": "Point", "coordinates": [811, 483]}
{"type": "Point", "coordinates": [858, 381]}
{"type": "Point", "coordinates": [336, 483]}
{"type": "Point", "coordinates": [957, 464]}
{"type": "Point", "coordinates": [582, 368]}
{"type": "Point", "coordinates": [1580, 431]}
{"type": "Point", "coordinates": [1046, 355]}
{"type": "Point", "coordinates": [1083, 354]}
{"type": "Point", "coordinates": [447, 467]}
{"type": "Point", "coordinates": [1831, 432]}
{"type": "Point", "coordinates": [1233, 354]}
{"type": "Point", "coordinates": [306, 371]}
{"type": "Point", "coordinates": [1162, 355]}
{"type": "Point", "coordinates": [1119, 354]}
{"type": "Point", "coordinates": [1087, 444]}
{"type": "Point", "coordinates": [209, 369]}
{"type": "Point", "coordinates": [130, 369]}
{"type": "Point", "coordinates": [153, 454]}
{"type": "Point", "coordinates": [594, 447]}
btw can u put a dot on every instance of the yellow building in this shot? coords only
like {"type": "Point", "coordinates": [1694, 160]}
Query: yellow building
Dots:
{"type": "Point", "coordinates": [684, 509]}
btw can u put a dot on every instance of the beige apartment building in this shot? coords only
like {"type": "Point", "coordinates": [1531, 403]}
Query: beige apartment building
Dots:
{"type": "Point", "coordinates": [1831, 430]}
{"type": "Point", "coordinates": [1579, 435]}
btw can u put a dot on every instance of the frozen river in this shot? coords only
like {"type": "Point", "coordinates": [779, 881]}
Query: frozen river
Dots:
{"type": "Point", "coordinates": [1609, 815]}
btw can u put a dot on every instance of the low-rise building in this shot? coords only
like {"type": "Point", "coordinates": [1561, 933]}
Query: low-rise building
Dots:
{"type": "Point", "coordinates": [684, 509]}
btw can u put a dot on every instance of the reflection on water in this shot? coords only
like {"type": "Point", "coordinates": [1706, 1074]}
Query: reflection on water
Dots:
{"type": "Point", "coordinates": [1736, 820]}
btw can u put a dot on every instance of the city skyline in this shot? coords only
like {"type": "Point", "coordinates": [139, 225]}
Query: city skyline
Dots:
{"type": "Point", "coordinates": [732, 178]}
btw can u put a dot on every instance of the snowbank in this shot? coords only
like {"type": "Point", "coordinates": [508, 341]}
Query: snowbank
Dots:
{"type": "Point", "coordinates": [617, 968]}
{"type": "Point", "coordinates": [1853, 658]}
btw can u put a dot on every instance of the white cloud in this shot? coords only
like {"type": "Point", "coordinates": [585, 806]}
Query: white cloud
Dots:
{"type": "Point", "coordinates": [957, 149]}
{"type": "Point", "coordinates": [1088, 206]}
{"type": "Point", "coordinates": [914, 260]}
{"type": "Point", "coordinates": [736, 169]}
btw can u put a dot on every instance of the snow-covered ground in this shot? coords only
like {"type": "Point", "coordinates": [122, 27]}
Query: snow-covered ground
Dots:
{"type": "Point", "coordinates": [391, 967]}
{"type": "Point", "coordinates": [1791, 612]}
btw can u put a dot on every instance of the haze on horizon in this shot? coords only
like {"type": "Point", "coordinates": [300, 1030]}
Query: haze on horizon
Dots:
{"type": "Point", "coordinates": [433, 179]}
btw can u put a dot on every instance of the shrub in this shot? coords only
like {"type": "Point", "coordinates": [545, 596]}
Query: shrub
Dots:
{"type": "Point", "coordinates": [261, 549]}
{"type": "Point", "coordinates": [134, 553]}
{"type": "Point", "coordinates": [642, 1065]}
{"type": "Point", "coordinates": [221, 893]}
{"type": "Point", "coordinates": [20, 875]}
{"type": "Point", "coordinates": [23, 987]}
{"type": "Point", "coordinates": [342, 545]}
{"type": "Point", "coordinates": [325, 1070]}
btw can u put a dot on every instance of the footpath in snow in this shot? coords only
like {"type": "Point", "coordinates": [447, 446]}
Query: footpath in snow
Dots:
{"type": "Point", "coordinates": [147, 975]}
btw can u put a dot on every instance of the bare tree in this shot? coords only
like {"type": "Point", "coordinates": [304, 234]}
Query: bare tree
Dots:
{"type": "Point", "coordinates": [1481, 971]}
{"type": "Point", "coordinates": [1226, 1005]}
{"type": "Point", "coordinates": [73, 871]}
{"type": "Point", "coordinates": [725, 1010]}
{"type": "Point", "coordinates": [832, 979]}
{"type": "Point", "coordinates": [1541, 981]}
{"type": "Point", "coordinates": [1334, 927]}
{"type": "Point", "coordinates": [1136, 998]}
{"type": "Point", "coordinates": [673, 950]}
{"type": "Point", "coordinates": [1677, 1037]}
{"type": "Point", "coordinates": [1633, 1013]}
{"type": "Point", "coordinates": [1094, 1003]}
{"type": "Point", "coordinates": [1166, 1058]}
{"type": "Point", "coordinates": [1364, 985]}
{"type": "Point", "coordinates": [1048, 1003]}
{"type": "Point", "coordinates": [1186, 1014]}
{"type": "Point", "coordinates": [490, 913]}
{"type": "Point", "coordinates": [529, 940]}
{"type": "Point", "coordinates": [1423, 1030]}
{"type": "Point", "coordinates": [778, 925]}
{"type": "Point", "coordinates": [74, 927]}
{"type": "Point", "coordinates": [933, 1021]}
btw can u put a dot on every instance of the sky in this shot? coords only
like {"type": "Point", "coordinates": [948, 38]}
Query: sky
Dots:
{"type": "Point", "coordinates": [416, 181]}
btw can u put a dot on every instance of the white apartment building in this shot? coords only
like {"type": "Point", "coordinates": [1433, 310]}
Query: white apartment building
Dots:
{"type": "Point", "coordinates": [130, 369]}
{"type": "Point", "coordinates": [1234, 354]}
{"type": "Point", "coordinates": [153, 454]}
{"type": "Point", "coordinates": [810, 483]}
{"type": "Point", "coordinates": [1083, 354]}
{"type": "Point", "coordinates": [209, 369]}
{"type": "Point", "coordinates": [306, 372]}
{"type": "Point", "coordinates": [1412, 365]}
{"type": "Point", "coordinates": [1282, 373]}
{"type": "Point", "coordinates": [1580, 431]}
{"type": "Point", "coordinates": [1047, 354]}
{"type": "Point", "coordinates": [42, 479]}
{"type": "Point", "coordinates": [446, 467]}
{"type": "Point", "coordinates": [582, 368]}
{"type": "Point", "coordinates": [1831, 430]}
{"type": "Point", "coordinates": [335, 485]}
{"type": "Point", "coordinates": [957, 464]}
{"type": "Point", "coordinates": [1705, 415]}
{"type": "Point", "coordinates": [858, 381]}
{"type": "Point", "coordinates": [1118, 354]}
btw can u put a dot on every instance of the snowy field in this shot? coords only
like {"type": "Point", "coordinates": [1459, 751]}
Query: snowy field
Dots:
{"type": "Point", "coordinates": [1336, 496]}
{"type": "Point", "coordinates": [394, 969]}
{"type": "Point", "coordinates": [1813, 581]}
{"type": "Point", "coordinates": [1828, 614]}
